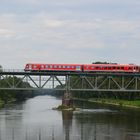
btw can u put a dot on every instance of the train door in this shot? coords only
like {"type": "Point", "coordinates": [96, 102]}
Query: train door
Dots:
{"type": "Point", "coordinates": [82, 67]}
{"type": "Point", "coordinates": [134, 69]}
{"type": "Point", "coordinates": [78, 68]}
{"type": "Point", "coordinates": [137, 69]}
{"type": "Point", "coordinates": [30, 67]}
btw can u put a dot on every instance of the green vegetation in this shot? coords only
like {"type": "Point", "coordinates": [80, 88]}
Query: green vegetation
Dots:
{"type": "Point", "coordinates": [122, 103]}
{"type": "Point", "coordinates": [1, 103]}
{"type": "Point", "coordinates": [7, 96]}
{"type": "Point", "coordinates": [107, 95]}
{"type": "Point", "coordinates": [65, 108]}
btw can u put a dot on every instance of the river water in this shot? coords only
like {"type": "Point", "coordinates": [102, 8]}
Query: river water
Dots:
{"type": "Point", "coordinates": [34, 119]}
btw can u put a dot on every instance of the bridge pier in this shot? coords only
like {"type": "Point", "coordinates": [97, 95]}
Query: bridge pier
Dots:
{"type": "Point", "coordinates": [67, 99]}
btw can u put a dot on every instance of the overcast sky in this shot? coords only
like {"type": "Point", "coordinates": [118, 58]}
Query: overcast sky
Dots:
{"type": "Point", "coordinates": [69, 31]}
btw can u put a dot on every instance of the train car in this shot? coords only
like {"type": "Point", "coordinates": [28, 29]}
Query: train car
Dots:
{"type": "Point", "coordinates": [32, 67]}
{"type": "Point", "coordinates": [128, 68]}
{"type": "Point", "coordinates": [53, 67]}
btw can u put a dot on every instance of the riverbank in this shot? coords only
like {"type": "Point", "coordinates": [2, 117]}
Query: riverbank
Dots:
{"type": "Point", "coordinates": [12, 97]}
{"type": "Point", "coordinates": [114, 102]}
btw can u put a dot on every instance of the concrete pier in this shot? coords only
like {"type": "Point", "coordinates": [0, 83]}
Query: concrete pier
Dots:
{"type": "Point", "coordinates": [67, 99]}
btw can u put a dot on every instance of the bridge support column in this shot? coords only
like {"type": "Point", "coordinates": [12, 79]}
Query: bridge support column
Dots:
{"type": "Point", "coordinates": [67, 99]}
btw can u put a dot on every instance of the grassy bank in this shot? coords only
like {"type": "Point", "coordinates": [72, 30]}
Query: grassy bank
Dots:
{"type": "Point", "coordinates": [116, 102]}
{"type": "Point", "coordinates": [123, 103]}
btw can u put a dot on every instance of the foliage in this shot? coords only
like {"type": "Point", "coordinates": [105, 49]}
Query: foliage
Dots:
{"type": "Point", "coordinates": [126, 103]}
{"type": "Point", "coordinates": [65, 108]}
{"type": "Point", "coordinates": [13, 95]}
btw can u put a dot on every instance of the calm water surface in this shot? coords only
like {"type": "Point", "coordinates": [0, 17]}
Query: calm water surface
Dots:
{"type": "Point", "coordinates": [35, 120]}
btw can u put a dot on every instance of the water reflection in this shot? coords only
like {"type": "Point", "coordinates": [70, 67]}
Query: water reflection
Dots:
{"type": "Point", "coordinates": [108, 124]}
{"type": "Point", "coordinates": [67, 117]}
{"type": "Point", "coordinates": [35, 120]}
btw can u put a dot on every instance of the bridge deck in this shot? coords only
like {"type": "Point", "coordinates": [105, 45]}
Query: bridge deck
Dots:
{"type": "Point", "coordinates": [58, 73]}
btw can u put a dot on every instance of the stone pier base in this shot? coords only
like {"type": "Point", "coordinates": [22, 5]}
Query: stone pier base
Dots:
{"type": "Point", "coordinates": [67, 100]}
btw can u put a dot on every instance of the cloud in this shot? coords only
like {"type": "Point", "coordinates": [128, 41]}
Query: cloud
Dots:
{"type": "Point", "coordinates": [78, 1]}
{"type": "Point", "coordinates": [84, 31]}
{"type": "Point", "coordinates": [43, 26]}
{"type": "Point", "coordinates": [5, 33]}
{"type": "Point", "coordinates": [33, 2]}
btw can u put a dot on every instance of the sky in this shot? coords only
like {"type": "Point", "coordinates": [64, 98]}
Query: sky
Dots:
{"type": "Point", "coordinates": [69, 31]}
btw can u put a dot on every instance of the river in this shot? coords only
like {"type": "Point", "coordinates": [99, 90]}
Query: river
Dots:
{"type": "Point", "coordinates": [34, 119]}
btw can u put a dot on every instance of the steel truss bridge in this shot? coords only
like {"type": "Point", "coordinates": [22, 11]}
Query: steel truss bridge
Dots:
{"type": "Point", "coordinates": [70, 81]}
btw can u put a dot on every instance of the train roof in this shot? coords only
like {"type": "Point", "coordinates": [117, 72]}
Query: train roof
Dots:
{"type": "Point", "coordinates": [109, 64]}
{"type": "Point", "coordinates": [115, 64]}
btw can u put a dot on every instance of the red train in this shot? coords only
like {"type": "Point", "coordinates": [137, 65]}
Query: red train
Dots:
{"type": "Point", "coordinates": [130, 68]}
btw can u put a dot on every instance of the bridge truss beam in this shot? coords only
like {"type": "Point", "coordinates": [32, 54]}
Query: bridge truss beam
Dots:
{"type": "Point", "coordinates": [66, 81]}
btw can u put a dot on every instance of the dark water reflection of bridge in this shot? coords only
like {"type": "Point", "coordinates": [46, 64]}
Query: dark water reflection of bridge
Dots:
{"type": "Point", "coordinates": [35, 120]}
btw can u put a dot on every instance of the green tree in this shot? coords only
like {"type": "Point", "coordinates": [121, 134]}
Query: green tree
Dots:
{"type": "Point", "coordinates": [13, 95]}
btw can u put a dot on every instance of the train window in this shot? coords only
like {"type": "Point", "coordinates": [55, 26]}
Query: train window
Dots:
{"type": "Point", "coordinates": [59, 66]}
{"type": "Point", "coordinates": [100, 67]}
{"type": "Point", "coordinates": [87, 67]}
{"type": "Point", "coordinates": [92, 67]}
{"type": "Point", "coordinates": [72, 67]}
{"type": "Point", "coordinates": [118, 68]}
{"type": "Point", "coordinates": [109, 68]}
{"type": "Point", "coordinates": [68, 67]}
{"type": "Point", "coordinates": [105, 67]}
{"type": "Point", "coordinates": [122, 68]}
{"type": "Point", "coordinates": [51, 66]}
{"type": "Point", "coordinates": [35, 66]}
{"type": "Point", "coordinates": [130, 68]}
{"type": "Point", "coordinates": [64, 67]}
{"type": "Point", "coordinates": [55, 66]}
{"type": "Point", "coordinates": [42, 66]}
{"type": "Point", "coordinates": [114, 68]}
{"type": "Point", "coordinates": [97, 67]}
{"type": "Point", "coordinates": [30, 66]}
{"type": "Point", "coordinates": [46, 66]}
{"type": "Point", "coordinates": [77, 67]}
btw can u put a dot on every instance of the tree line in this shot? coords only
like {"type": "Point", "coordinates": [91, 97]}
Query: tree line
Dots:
{"type": "Point", "coordinates": [7, 96]}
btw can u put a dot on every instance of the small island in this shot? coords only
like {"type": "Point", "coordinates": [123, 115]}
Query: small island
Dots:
{"type": "Point", "coordinates": [65, 108]}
